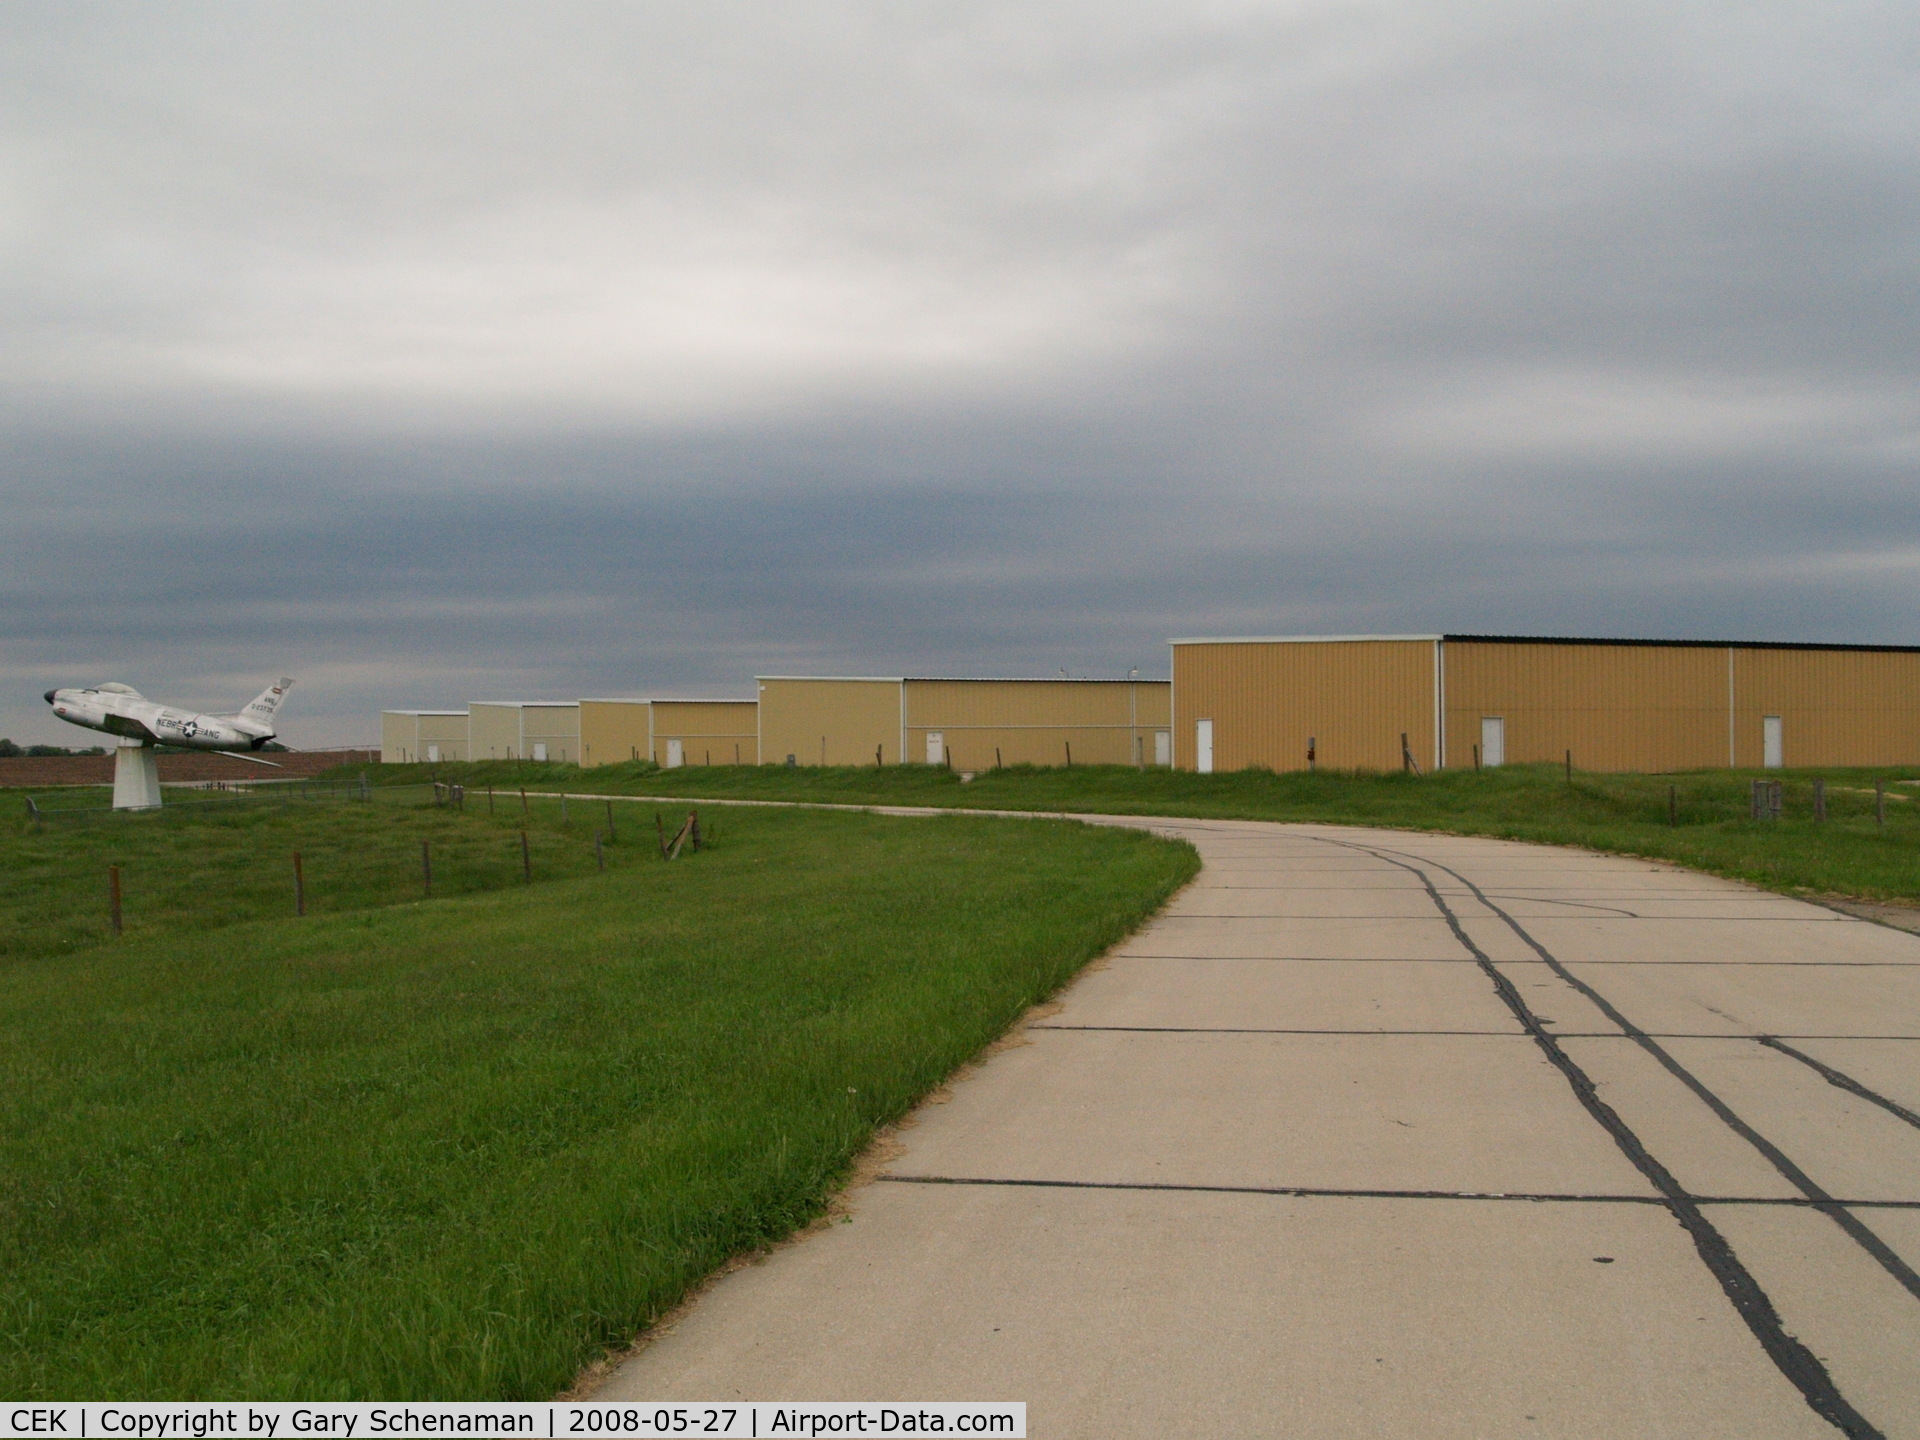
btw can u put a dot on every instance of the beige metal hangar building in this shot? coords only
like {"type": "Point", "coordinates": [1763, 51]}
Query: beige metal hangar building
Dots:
{"type": "Point", "coordinates": [524, 730]}
{"type": "Point", "coordinates": [671, 732]}
{"type": "Point", "coordinates": [863, 720]}
{"type": "Point", "coordinates": [1627, 705]}
{"type": "Point", "coordinates": [409, 736]}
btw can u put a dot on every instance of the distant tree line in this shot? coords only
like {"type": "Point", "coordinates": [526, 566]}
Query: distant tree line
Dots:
{"type": "Point", "coordinates": [8, 749]}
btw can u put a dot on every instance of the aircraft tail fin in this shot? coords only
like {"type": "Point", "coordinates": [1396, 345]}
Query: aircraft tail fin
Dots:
{"type": "Point", "coordinates": [262, 707]}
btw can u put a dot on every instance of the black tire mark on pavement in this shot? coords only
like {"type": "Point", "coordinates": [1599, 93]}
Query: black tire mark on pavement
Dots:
{"type": "Point", "coordinates": [1793, 1358]}
{"type": "Point", "coordinates": [1855, 1228]}
{"type": "Point", "coordinates": [1841, 1079]}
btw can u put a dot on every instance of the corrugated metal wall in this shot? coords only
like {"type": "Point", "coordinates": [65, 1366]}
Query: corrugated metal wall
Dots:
{"type": "Point", "coordinates": [399, 737]}
{"type": "Point", "coordinates": [555, 726]}
{"type": "Point", "coordinates": [449, 732]}
{"type": "Point", "coordinates": [613, 730]}
{"type": "Point", "coordinates": [710, 732]}
{"type": "Point", "coordinates": [1267, 698]}
{"type": "Point", "coordinates": [1616, 707]}
{"type": "Point", "coordinates": [1033, 722]}
{"type": "Point", "coordinates": [832, 722]}
{"type": "Point", "coordinates": [493, 731]}
{"type": "Point", "coordinates": [1836, 707]}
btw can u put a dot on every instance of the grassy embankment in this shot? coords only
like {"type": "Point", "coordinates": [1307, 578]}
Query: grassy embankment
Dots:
{"type": "Point", "coordinates": [203, 865]}
{"type": "Point", "coordinates": [456, 1148]}
{"type": "Point", "coordinates": [1846, 855]}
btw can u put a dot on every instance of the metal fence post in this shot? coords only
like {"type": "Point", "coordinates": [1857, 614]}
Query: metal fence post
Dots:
{"type": "Point", "coordinates": [426, 866]}
{"type": "Point", "coordinates": [1673, 805]}
{"type": "Point", "coordinates": [1880, 803]}
{"type": "Point", "coordinates": [1819, 801]}
{"type": "Point", "coordinates": [299, 886]}
{"type": "Point", "coordinates": [113, 896]}
{"type": "Point", "coordinates": [526, 858]}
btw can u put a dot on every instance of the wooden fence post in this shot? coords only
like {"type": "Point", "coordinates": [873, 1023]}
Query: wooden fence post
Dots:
{"type": "Point", "coordinates": [113, 896]}
{"type": "Point", "coordinates": [299, 886]}
{"type": "Point", "coordinates": [1819, 801]}
{"type": "Point", "coordinates": [1069, 754]}
{"type": "Point", "coordinates": [610, 833]}
{"type": "Point", "coordinates": [523, 799]}
{"type": "Point", "coordinates": [599, 855]}
{"type": "Point", "coordinates": [526, 858]}
{"type": "Point", "coordinates": [1569, 767]}
{"type": "Point", "coordinates": [1673, 805]}
{"type": "Point", "coordinates": [1880, 803]}
{"type": "Point", "coordinates": [426, 866]}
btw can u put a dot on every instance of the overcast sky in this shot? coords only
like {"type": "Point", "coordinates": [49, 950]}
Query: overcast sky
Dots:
{"type": "Point", "coordinates": [433, 353]}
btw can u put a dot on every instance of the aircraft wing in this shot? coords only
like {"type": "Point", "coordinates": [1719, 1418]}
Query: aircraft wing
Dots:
{"type": "Point", "coordinates": [230, 754]}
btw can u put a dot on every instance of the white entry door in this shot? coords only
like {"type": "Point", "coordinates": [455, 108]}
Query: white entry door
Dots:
{"type": "Point", "coordinates": [1203, 746]}
{"type": "Point", "coordinates": [1163, 747]}
{"type": "Point", "coordinates": [433, 754]}
{"type": "Point", "coordinates": [936, 748]}
{"type": "Point", "coordinates": [540, 750]}
{"type": "Point", "coordinates": [676, 755]}
{"type": "Point", "coordinates": [1493, 740]}
{"type": "Point", "coordinates": [1772, 749]}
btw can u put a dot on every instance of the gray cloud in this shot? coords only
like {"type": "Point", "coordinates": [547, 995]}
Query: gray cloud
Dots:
{"type": "Point", "coordinates": [435, 352]}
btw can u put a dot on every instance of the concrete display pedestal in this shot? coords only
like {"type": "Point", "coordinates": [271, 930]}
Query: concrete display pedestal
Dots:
{"type": "Point", "coordinates": [136, 777]}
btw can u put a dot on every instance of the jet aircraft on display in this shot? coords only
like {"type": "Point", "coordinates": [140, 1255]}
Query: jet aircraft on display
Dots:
{"type": "Point", "coordinates": [123, 711]}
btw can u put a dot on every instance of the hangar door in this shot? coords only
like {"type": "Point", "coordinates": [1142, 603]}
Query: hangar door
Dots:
{"type": "Point", "coordinates": [1493, 740]}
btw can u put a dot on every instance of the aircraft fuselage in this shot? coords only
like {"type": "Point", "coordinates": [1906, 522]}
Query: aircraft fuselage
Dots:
{"type": "Point", "coordinates": [132, 716]}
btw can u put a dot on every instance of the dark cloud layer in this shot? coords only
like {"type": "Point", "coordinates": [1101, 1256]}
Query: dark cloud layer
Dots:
{"type": "Point", "coordinates": [436, 353]}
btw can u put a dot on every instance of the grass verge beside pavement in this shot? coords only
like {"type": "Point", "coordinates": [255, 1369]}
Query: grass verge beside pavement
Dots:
{"type": "Point", "coordinates": [1849, 854]}
{"type": "Point", "coordinates": [457, 1148]}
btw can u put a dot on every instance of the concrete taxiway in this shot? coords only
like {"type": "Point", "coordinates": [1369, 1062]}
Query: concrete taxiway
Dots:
{"type": "Point", "coordinates": [1379, 1134]}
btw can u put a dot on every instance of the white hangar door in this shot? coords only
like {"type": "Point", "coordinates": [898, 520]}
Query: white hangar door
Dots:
{"type": "Point", "coordinates": [1493, 740]}
{"type": "Point", "coordinates": [676, 755]}
{"type": "Point", "coordinates": [936, 747]}
{"type": "Point", "coordinates": [1203, 746]}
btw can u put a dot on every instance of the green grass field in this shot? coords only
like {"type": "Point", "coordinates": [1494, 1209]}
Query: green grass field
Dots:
{"type": "Point", "coordinates": [1847, 855]}
{"type": "Point", "coordinates": [458, 1148]}
{"type": "Point", "coordinates": [199, 866]}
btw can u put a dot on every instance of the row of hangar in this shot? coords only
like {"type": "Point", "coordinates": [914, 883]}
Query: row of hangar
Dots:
{"type": "Point", "coordinates": [1380, 702]}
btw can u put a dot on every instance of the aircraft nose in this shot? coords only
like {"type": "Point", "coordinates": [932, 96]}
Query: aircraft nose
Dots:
{"type": "Point", "coordinates": [50, 695]}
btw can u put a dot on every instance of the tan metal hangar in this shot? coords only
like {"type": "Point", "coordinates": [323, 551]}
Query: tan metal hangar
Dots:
{"type": "Point", "coordinates": [670, 732]}
{"type": "Point", "coordinates": [970, 724]}
{"type": "Point", "coordinates": [1354, 701]}
{"type": "Point", "coordinates": [524, 730]}
{"type": "Point", "coordinates": [410, 736]}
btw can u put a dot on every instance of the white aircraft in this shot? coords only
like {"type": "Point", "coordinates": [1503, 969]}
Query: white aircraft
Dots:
{"type": "Point", "coordinates": [122, 710]}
